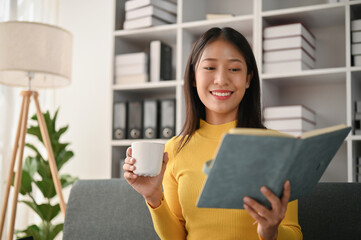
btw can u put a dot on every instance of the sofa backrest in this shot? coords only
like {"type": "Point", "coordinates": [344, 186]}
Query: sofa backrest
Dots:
{"type": "Point", "coordinates": [331, 212]}
{"type": "Point", "coordinates": [107, 209]}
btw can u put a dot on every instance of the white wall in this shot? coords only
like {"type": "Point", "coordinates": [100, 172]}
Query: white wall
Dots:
{"type": "Point", "coordinates": [85, 104]}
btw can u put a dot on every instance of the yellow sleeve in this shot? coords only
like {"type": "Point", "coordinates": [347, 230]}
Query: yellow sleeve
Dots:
{"type": "Point", "coordinates": [167, 218]}
{"type": "Point", "coordinates": [289, 228]}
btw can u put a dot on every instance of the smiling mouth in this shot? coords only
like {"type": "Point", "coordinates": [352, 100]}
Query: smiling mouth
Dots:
{"type": "Point", "coordinates": [221, 94]}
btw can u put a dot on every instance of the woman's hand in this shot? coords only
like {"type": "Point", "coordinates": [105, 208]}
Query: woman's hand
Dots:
{"type": "Point", "coordinates": [149, 187]}
{"type": "Point", "coordinates": [269, 220]}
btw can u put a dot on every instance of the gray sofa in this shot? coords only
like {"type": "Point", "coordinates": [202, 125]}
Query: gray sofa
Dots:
{"type": "Point", "coordinates": [111, 209]}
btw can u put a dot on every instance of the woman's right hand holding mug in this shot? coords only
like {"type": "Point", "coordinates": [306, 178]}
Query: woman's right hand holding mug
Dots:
{"type": "Point", "coordinates": [149, 187]}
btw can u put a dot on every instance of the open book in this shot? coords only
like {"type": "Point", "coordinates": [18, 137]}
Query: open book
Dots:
{"type": "Point", "coordinates": [250, 158]}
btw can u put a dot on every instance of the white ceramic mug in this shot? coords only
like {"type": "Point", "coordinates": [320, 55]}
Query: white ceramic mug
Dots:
{"type": "Point", "coordinates": [148, 158]}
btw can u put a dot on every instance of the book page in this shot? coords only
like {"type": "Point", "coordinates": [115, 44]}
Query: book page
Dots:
{"type": "Point", "coordinates": [259, 132]}
{"type": "Point", "coordinates": [322, 131]}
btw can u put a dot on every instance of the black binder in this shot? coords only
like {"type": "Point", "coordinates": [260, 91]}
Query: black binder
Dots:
{"type": "Point", "coordinates": [150, 119]}
{"type": "Point", "coordinates": [135, 110]}
{"type": "Point", "coordinates": [119, 120]}
{"type": "Point", "coordinates": [167, 119]}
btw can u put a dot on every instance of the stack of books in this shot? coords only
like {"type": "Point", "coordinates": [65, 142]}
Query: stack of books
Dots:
{"type": "Point", "coordinates": [292, 119]}
{"type": "Point", "coordinates": [148, 13]}
{"type": "Point", "coordinates": [131, 68]}
{"type": "Point", "coordinates": [356, 41]}
{"type": "Point", "coordinates": [288, 48]}
{"type": "Point", "coordinates": [358, 118]}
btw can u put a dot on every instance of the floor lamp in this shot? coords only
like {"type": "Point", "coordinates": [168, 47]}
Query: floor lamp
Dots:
{"type": "Point", "coordinates": [32, 55]}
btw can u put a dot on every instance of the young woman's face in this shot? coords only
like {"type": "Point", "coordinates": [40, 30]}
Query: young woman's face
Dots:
{"type": "Point", "coordinates": [221, 81]}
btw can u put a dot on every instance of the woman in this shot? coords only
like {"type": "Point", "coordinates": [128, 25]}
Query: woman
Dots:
{"type": "Point", "coordinates": [222, 91]}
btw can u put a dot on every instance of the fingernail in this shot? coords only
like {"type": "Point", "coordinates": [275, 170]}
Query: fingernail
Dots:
{"type": "Point", "coordinates": [246, 199]}
{"type": "Point", "coordinates": [263, 189]}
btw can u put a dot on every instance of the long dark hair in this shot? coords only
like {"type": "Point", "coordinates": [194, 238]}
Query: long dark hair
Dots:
{"type": "Point", "coordinates": [249, 110]}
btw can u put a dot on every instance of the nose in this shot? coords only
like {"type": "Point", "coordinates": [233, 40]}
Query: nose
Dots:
{"type": "Point", "coordinates": [221, 77]}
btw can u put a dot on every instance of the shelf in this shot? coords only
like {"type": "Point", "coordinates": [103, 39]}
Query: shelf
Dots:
{"type": "Point", "coordinates": [307, 77]}
{"type": "Point", "coordinates": [355, 138]}
{"type": "Point", "coordinates": [166, 33]}
{"type": "Point", "coordinates": [162, 85]}
{"type": "Point", "coordinates": [128, 142]}
{"type": "Point", "coordinates": [198, 27]}
{"type": "Point", "coordinates": [287, 6]}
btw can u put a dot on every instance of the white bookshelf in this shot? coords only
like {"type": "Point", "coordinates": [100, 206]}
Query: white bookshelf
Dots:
{"type": "Point", "coordinates": [330, 89]}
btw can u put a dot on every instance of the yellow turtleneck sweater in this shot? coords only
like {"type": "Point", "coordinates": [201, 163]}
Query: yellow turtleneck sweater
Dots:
{"type": "Point", "coordinates": [178, 217]}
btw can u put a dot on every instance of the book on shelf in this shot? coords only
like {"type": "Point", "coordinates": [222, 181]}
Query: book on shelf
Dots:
{"type": "Point", "coordinates": [358, 106]}
{"type": "Point", "coordinates": [287, 30]}
{"type": "Point", "coordinates": [289, 55]}
{"type": "Point", "coordinates": [289, 43]}
{"type": "Point", "coordinates": [285, 67]}
{"type": "Point", "coordinates": [130, 79]}
{"type": "Point", "coordinates": [151, 11]}
{"type": "Point", "coordinates": [356, 37]}
{"type": "Point", "coordinates": [211, 16]}
{"type": "Point", "coordinates": [291, 124]}
{"type": "Point", "coordinates": [356, 25]}
{"type": "Point", "coordinates": [358, 116]}
{"type": "Point", "coordinates": [131, 58]}
{"type": "Point", "coordinates": [163, 4]}
{"type": "Point", "coordinates": [143, 22]}
{"type": "Point", "coordinates": [247, 159]}
{"type": "Point", "coordinates": [160, 61]}
{"type": "Point", "coordinates": [356, 48]}
{"type": "Point", "coordinates": [357, 60]}
{"type": "Point", "coordinates": [289, 111]}
{"type": "Point", "coordinates": [130, 69]}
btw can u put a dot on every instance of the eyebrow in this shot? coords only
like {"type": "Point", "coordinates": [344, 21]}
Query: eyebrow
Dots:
{"type": "Point", "coordinates": [231, 60]}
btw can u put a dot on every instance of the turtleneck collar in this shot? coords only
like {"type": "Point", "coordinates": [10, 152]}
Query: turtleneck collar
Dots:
{"type": "Point", "coordinates": [214, 131]}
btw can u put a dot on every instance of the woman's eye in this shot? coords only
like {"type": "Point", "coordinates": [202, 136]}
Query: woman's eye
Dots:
{"type": "Point", "coordinates": [209, 68]}
{"type": "Point", "coordinates": [235, 69]}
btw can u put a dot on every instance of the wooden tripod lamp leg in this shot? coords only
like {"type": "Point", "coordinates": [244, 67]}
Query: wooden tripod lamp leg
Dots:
{"type": "Point", "coordinates": [11, 168]}
{"type": "Point", "coordinates": [52, 163]}
{"type": "Point", "coordinates": [26, 95]}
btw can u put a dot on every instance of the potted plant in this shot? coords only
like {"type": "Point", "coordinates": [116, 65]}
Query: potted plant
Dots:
{"type": "Point", "coordinates": [36, 174]}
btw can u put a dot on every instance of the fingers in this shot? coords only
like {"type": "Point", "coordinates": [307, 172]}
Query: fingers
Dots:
{"type": "Point", "coordinates": [257, 209]}
{"type": "Point", "coordinates": [256, 215]}
{"type": "Point", "coordinates": [273, 199]}
{"type": "Point", "coordinates": [128, 152]}
{"type": "Point", "coordinates": [286, 193]}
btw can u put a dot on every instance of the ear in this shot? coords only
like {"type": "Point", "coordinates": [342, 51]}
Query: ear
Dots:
{"type": "Point", "coordinates": [249, 77]}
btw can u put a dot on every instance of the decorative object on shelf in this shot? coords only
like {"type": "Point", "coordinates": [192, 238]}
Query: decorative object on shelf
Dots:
{"type": "Point", "coordinates": [356, 41]}
{"type": "Point", "coordinates": [34, 55]}
{"type": "Point", "coordinates": [292, 119]}
{"type": "Point", "coordinates": [135, 119]}
{"type": "Point", "coordinates": [131, 68]}
{"type": "Point", "coordinates": [38, 165]}
{"type": "Point", "coordinates": [358, 118]}
{"type": "Point", "coordinates": [160, 61]}
{"type": "Point", "coordinates": [167, 118]}
{"type": "Point", "coordinates": [288, 48]}
{"type": "Point", "coordinates": [148, 13]}
{"type": "Point", "coordinates": [120, 120]}
{"type": "Point", "coordinates": [150, 119]}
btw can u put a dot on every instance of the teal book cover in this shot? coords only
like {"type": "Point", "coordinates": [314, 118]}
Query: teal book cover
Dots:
{"type": "Point", "coordinates": [250, 158]}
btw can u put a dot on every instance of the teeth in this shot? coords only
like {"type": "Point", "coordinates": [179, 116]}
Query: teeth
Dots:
{"type": "Point", "coordinates": [221, 94]}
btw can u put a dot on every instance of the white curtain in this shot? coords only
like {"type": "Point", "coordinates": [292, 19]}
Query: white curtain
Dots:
{"type": "Point", "coordinates": [45, 11]}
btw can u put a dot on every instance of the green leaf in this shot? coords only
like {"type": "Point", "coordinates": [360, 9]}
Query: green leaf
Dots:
{"type": "Point", "coordinates": [44, 169]}
{"type": "Point", "coordinates": [32, 230]}
{"type": "Point", "coordinates": [49, 123]}
{"type": "Point", "coordinates": [55, 230]}
{"type": "Point", "coordinates": [67, 180]}
{"type": "Point", "coordinates": [63, 157]}
{"type": "Point", "coordinates": [32, 147]}
{"type": "Point", "coordinates": [55, 117]}
{"type": "Point", "coordinates": [58, 134]}
{"type": "Point", "coordinates": [25, 186]}
{"type": "Point", "coordinates": [46, 211]}
{"type": "Point", "coordinates": [30, 166]}
{"type": "Point", "coordinates": [46, 187]}
{"type": "Point", "coordinates": [35, 130]}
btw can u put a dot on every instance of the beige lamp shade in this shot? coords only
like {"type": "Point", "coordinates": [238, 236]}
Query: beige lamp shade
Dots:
{"type": "Point", "coordinates": [40, 50]}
